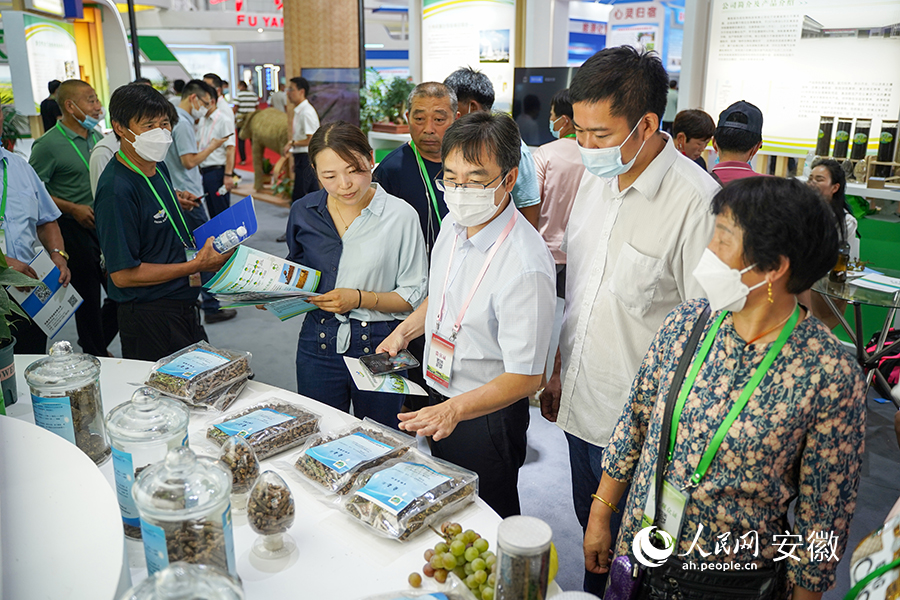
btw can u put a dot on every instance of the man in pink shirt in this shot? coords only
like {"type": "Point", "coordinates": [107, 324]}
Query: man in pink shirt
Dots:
{"type": "Point", "coordinates": [559, 171]}
{"type": "Point", "coordinates": [737, 139]}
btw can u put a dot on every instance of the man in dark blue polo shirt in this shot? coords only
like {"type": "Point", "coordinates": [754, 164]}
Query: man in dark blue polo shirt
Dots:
{"type": "Point", "coordinates": [149, 249]}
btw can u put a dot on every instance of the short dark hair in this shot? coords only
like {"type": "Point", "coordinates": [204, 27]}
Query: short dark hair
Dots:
{"type": "Point", "coordinates": [635, 83]}
{"type": "Point", "coordinates": [301, 84]}
{"type": "Point", "coordinates": [136, 101]}
{"type": "Point", "coordinates": [731, 139]}
{"type": "Point", "coordinates": [216, 80]}
{"type": "Point", "coordinates": [346, 140]}
{"type": "Point", "coordinates": [673, 84]}
{"type": "Point", "coordinates": [782, 217]}
{"type": "Point", "coordinates": [69, 90]}
{"type": "Point", "coordinates": [52, 86]}
{"type": "Point", "coordinates": [242, 85]}
{"type": "Point", "coordinates": [839, 198]}
{"type": "Point", "coordinates": [694, 124]}
{"type": "Point", "coordinates": [199, 87]}
{"type": "Point", "coordinates": [561, 104]}
{"type": "Point", "coordinates": [469, 84]}
{"type": "Point", "coordinates": [485, 132]}
{"type": "Point", "coordinates": [178, 86]}
{"type": "Point", "coordinates": [143, 81]}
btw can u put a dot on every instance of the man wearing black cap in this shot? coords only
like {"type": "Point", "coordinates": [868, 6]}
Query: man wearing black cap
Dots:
{"type": "Point", "coordinates": [737, 139]}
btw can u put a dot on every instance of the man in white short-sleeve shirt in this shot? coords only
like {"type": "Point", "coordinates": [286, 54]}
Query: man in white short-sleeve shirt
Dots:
{"type": "Point", "coordinates": [640, 221]}
{"type": "Point", "coordinates": [217, 169]}
{"type": "Point", "coordinates": [304, 125]}
{"type": "Point", "coordinates": [479, 390]}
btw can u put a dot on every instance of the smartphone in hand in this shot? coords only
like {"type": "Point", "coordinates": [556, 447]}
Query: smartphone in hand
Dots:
{"type": "Point", "coordinates": [379, 364]}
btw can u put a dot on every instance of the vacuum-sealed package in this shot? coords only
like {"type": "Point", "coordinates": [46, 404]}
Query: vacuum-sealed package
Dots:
{"type": "Point", "coordinates": [331, 462]}
{"type": "Point", "coordinates": [406, 495]}
{"type": "Point", "coordinates": [270, 427]}
{"type": "Point", "coordinates": [202, 376]}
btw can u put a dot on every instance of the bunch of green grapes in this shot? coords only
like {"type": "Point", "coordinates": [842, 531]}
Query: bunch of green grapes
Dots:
{"type": "Point", "coordinates": [464, 553]}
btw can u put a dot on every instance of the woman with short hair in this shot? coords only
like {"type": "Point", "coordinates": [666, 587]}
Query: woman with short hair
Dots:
{"type": "Point", "coordinates": [799, 435]}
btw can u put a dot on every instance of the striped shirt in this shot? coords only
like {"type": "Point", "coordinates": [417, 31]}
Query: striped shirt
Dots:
{"type": "Point", "coordinates": [246, 101]}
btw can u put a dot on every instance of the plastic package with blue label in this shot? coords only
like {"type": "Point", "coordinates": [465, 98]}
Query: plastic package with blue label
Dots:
{"type": "Point", "coordinates": [453, 589]}
{"type": "Point", "coordinates": [202, 376]}
{"type": "Point", "coordinates": [404, 496]}
{"type": "Point", "coordinates": [331, 462]}
{"type": "Point", "coordinates": [270, 427]}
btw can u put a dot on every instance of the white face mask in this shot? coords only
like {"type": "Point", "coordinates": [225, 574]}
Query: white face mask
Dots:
{"type": "Point", "coordinates": [153, 144]}
{"type": "Point", "coordinates": [607, 162]}
{"type": "Point", "coordinates": [470, 208]}
{"type": "Point", "coordinates": [555, 132]}
{"type": "Point", "coordinates": [723, 285]}
{"type": "Point", "coordinates": [198, 113]}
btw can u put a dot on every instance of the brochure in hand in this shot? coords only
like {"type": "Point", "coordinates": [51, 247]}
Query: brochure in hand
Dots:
{"type": "Point", "coordinates": [252, 277]}
{"type": "Point", "coordinates": [50, 305]}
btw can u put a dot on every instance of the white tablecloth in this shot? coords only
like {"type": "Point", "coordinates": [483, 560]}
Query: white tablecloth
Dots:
{"type": "Point", "coordinates": [335, 559]}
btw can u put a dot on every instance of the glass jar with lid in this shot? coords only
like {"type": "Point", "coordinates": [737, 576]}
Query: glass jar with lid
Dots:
{"type": "Point", "coordinates": [523, 558]}
{"type": "Point", "coordinates": [65, 395]}
{"type": "Point", "coordinates": [184, 503]}
{"type": "Point", "coordinates": [141, 432]}
{"type": "Point", "coordinates": [183, 581]}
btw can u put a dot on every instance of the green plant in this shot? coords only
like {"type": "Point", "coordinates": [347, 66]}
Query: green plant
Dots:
{"type": "Point", "coordinates": [382, 99]}
{"type": "Point", "coordinates": [13, 122]}
{"type": "Point", "coordinates": [267, 166]}
{"type": "Point", "coordinates": [9, 276]}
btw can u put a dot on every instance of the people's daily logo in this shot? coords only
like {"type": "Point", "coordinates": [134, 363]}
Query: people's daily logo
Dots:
{"type": "Point", "coordinates": [646, 552]}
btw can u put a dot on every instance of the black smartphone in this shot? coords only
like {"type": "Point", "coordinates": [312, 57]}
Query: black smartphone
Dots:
{"type": "Point", "coordinates": [379, 364]}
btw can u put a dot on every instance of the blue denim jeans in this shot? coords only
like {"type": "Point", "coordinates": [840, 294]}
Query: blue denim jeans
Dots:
{"type": "Point", "coordinates": [322, 374]}
{"type": "Point", "coordinates": [585, 460]}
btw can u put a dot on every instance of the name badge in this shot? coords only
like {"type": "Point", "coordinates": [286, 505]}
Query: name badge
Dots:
{"type": "Point", "coordinates": [440, 360]}
{"type": "Point", "coordinates": [3, 242]}
{"type": "Point", "coordinates": [194, 278]}
{"type": "Point", "coordinates": [673, 503]}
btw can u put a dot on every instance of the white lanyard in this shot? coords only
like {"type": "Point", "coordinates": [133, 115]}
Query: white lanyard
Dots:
{"type": "Point", "coordinates": [484, 268]}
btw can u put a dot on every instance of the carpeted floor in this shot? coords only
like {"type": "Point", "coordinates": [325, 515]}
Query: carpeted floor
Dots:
{"type": "Point", "coordinates": [545, 482]}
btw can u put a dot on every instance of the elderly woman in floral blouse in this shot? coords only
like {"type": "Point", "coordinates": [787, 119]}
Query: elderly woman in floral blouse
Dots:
{"type": "Point", "coordinates": [798, 436]}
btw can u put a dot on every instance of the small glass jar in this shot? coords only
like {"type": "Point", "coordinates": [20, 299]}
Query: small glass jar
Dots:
{"type": "Point", "coordinates": [240, 458]}
{"type": "Point", "coordinates": [185, 511]}
{"type": "Point", "coordinates": [65, 395]}
{"type": "Point", "coordinates": [523, 559]}
{"type": "Point", "coordinates": [183, 581]}
{"type": "Point", "coordinates": [141, 432]}
{"type": "Point", "coordinates": [271, 515]}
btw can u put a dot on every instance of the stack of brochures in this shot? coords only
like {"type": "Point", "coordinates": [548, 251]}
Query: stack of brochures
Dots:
{"type": "Point", "coordinates": [251, 277]}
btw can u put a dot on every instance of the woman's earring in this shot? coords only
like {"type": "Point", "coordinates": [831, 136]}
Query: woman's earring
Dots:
{"type": "Point", "coordinates": [771, 300]}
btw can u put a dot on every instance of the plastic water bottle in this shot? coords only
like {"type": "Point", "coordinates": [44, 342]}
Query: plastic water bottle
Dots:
{"type": "Point", "coordinates": [229, 239]}
{"type": "Point", "coordinates": [807, 164]}
{"type": "Point", "coordinates": [222, 191]}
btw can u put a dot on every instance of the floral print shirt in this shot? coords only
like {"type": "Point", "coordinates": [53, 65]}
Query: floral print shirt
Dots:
{"type": "Point", "coordinates": [801, 435]}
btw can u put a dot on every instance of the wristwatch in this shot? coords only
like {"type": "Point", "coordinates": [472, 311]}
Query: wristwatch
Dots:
{"type": "Point", "coordinates": [62, 253]}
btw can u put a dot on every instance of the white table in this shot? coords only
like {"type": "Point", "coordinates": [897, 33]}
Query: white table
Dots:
{"type": "Point", "coordinates": [336, 558]}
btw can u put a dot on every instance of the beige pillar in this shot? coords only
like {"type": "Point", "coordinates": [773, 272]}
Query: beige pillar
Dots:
{"type": "Point", "coordinates": [320, 34]}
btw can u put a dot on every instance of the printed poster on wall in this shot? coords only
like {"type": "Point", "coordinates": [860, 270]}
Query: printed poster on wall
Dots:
{"type": "Point", "coordinates": [801, 60]}
{"type": "Point", "coordinates": [471, 33]}
{"type": "Point", "coordinates": [50, 46]}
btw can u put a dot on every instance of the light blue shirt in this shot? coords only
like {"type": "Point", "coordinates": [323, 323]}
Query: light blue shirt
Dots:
{"type": "Point", "coordinates": [526, 191]}
{"type": "Point", "coordinates": [28, 205]}
{"type": "Point", "coordinates": [184, 142]}
{"type": "Point", "coordinates": [386, 234]}
{"type": "Point", "coordinates": [507, 326]}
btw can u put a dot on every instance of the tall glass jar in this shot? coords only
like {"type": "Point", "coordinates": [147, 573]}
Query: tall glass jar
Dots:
{"type": "Point", "coordinates": [65, 395]}
{"type": "Point", "coordinates": [523, 559]}
{"type": "Point", "coordinates": [183, 581]}
{"type": "Point", "coordinates": [823, 143]}
{"type": "Point", "coordinates": [185, 511]}
{"type": "Point", "coordinates": [860, 139]}
{"type": "Point", "coordinates": [141, 432]}
{"type": "Point", "coordinates": [842, 137]}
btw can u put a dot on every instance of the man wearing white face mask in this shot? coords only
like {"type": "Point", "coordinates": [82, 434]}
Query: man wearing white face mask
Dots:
{"type": "Point", "coordinates": [150, 252]}
{"type": "Point", "coordinates": [489, 313]}
{"type": "Point", "coordinates": [60, 158]}
{"type": "Point", "coordinates": [638, 226]}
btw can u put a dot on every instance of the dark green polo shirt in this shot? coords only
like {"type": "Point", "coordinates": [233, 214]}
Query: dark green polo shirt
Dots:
{"type": "Point", "coordinates": [59, 166]}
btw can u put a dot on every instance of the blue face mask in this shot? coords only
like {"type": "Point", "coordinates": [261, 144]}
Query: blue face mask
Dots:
{"type": "Point", "coordinates": [607, 162]}
{"type": "Point", "coordinates": [555, 132]}
{"type": "Point", "coordinates": [88, 122]}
